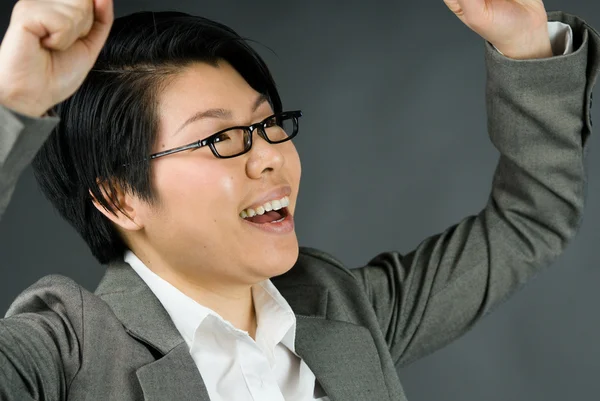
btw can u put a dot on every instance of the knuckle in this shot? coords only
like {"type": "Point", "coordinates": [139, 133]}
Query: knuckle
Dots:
{"type": "Point", "coordinates": [63, 36]}
{"type": "Point", "coordinates": [88, 7]}
{"type": "Point", "coordinates": [66, 25]}
{"type": "Point", "coordinates": [79, 14]}
{"type": "Point", "coordinates": [81, 18]}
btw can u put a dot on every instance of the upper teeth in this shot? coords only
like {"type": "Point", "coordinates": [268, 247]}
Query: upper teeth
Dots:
{"type": "Point", "coordinates": [266, 207]}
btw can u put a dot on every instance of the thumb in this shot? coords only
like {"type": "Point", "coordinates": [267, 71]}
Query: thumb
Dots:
{"type": "Point", "coordinates": [103, 19]}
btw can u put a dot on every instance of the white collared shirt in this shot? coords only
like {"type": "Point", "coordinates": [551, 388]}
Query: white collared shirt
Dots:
{"type": "Point", "coordinates": [233, 366]}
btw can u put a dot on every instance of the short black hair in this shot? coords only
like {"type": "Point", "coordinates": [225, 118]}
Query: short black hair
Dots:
{"type": "Point", "coordinates": [112, 121]}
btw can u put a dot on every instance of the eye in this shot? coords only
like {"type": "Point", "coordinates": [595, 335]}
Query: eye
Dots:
{"type": "Point", "coordinates": [271, 122]}
{"type": "Point", "coordinates": [224, 136]}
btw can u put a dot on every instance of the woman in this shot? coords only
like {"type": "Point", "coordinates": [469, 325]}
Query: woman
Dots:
{"type": "Point", "coordinates": [173, 159]}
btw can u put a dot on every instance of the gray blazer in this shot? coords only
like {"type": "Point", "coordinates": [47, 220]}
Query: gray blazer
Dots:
{"type": "Point", "coordinates": [354, 327]}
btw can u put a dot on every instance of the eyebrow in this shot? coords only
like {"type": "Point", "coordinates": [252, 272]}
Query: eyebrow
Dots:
{"type": "Point", "coordinates": [219, 113]}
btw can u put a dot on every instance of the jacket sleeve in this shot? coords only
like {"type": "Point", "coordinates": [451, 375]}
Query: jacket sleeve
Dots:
{"type": "Point", "coordinates": [39, 352]}
{"type": "Point", "coordinates": [20, 139]}
{"type": "Point", "coordinates": [40, 347]}
{"type": "Point", "coordinates": [539, 119]}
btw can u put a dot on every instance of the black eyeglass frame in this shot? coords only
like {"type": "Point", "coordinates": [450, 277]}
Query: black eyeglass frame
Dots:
{"type": "Point", "coordinates": [259, 127]}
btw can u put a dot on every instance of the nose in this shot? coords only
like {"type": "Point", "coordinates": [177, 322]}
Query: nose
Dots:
{"type": "Point", "coordinates": [263, 157]}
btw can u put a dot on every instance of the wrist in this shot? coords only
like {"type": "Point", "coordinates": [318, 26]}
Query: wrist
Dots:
{"type": "Point", "coordinates": [537, 46]}
{"type": "Point", "coordinates": [22, 106]}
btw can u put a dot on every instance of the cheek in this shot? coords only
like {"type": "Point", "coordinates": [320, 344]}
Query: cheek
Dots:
{"type": "Point", "coordinates": [298, 164]}
{"type": "Point", "coordinates": [201, 187]}
{"type": "Point", "coordinates": [292, 159]}
{"type": "Point", "coordinates": [294, 171]}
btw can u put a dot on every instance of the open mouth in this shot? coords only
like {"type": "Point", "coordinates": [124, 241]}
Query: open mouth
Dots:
{"type": "Point", "coordinates": [270, 212]}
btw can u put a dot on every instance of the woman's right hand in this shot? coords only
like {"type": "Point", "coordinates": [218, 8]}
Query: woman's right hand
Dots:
{"type": "Point", "coordinates": [48, 50]}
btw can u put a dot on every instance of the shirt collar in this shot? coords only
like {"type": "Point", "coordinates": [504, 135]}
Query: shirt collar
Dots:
{"type": "Point", "coordinates": [186, 313]}
{"type": "Point", "coordinates": [275, 318]}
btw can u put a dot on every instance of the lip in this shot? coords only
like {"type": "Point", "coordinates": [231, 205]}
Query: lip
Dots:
{"type": "Point", "coordinates": [274, 194]}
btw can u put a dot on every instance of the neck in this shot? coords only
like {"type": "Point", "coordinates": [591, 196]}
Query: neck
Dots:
{"type": "Point", "coordinates": [235, 305]}
{"type": "Point", "coordinates": [233, 302]}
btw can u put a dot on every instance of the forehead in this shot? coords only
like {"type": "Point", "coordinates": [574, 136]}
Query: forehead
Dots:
{"type": "Point", "coordinates": [201, 86]}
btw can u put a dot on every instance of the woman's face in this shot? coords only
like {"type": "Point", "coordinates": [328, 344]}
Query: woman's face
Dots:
{"type": "Point", "coordinates": [196, 229]}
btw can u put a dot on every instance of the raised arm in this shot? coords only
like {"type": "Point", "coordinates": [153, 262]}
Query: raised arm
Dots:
{"type": "Point", "coordinates": [49, 48]}
{"type": "Point", "coordinates": [46, 53]}
{"type": "Point", "coordinates": [539, 120]}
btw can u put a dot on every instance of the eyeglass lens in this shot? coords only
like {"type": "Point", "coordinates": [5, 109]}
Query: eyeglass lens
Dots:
{"type": "Point", "coordinates": [237, 140]}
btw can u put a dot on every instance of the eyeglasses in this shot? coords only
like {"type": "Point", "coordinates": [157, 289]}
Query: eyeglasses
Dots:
{"type": "Point", "coordinates": [236, 141]}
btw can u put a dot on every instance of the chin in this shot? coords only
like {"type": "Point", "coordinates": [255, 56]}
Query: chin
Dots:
{"type": "Point", "coordinates": [277, 260]}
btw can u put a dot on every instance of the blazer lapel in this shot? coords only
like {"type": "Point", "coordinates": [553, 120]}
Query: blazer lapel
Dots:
{"type": "Point", "coordinates": [342, 355]}
{"type": "Point", "coordinates": [174, 375]}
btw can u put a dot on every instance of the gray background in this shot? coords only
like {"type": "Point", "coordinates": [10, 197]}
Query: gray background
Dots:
{"type": "Point", "coordinates": [394, 147]}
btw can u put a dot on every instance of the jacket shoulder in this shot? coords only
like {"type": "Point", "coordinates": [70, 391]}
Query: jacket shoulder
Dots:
{"type": "Point", "coordinates": [312, 255]}
{"type": "Point", "coordinates": [54, 292]}
{"type": "Point", "coordinates": [315, 267]}
{"type": "Point", "coordinates": [59, 295]}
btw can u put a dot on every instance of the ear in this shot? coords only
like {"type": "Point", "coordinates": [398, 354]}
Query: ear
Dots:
{"type": "Point", "coordinates": [127, 218]}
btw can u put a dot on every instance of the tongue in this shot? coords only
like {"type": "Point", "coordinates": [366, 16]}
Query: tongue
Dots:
{"type": "Point", "coordinates": [268, 217]}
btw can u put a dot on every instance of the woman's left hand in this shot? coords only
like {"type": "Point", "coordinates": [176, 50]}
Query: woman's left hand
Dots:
{"type": "Point", "coordinates": [518, 28]}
